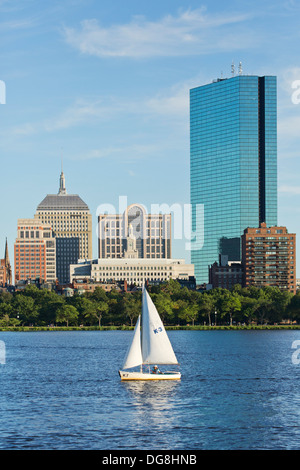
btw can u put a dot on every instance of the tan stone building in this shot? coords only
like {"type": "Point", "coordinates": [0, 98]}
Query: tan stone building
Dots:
{"type": "Point", "coordinates": [152, 233]}
{"type": "Point", "coordinates": [69, 217]}
{"type": "Point", "coordinates": [133, 270]}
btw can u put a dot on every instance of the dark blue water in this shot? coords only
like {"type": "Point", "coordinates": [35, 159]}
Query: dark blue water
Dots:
{"type": "Point", "coordinates": [61, 390]}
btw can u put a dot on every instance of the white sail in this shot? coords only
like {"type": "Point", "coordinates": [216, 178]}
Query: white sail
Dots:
{"type": "Point", "coordinates": [156, 346]}
{"type": "Point", "coordinates": [134, 353]}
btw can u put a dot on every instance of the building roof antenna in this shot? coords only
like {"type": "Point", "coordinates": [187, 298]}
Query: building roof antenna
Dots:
{"type": "Point", "coordinates": [240, 68]}
{"type": "Point", "coordinates": [232, 69]}
{"type": "Point", "coordinates": [61, 158]}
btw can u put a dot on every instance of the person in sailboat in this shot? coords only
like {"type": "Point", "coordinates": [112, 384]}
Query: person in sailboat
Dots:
{"type": "Point", "coordinates": [156, 370]}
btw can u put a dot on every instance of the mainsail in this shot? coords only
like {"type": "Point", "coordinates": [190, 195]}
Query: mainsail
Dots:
{"type": "Point", "coordinates": [156, 346]}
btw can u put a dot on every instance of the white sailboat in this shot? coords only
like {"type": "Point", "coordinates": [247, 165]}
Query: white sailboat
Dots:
{"type": "Point", "coordinates": [150, 346]}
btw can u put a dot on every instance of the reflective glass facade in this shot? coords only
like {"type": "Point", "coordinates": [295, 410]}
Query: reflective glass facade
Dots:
{"type": "Point", "coordinates": [233, 144]}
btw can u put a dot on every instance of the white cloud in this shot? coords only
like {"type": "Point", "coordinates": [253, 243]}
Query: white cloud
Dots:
{"type": "Point", "coordinates": [175, 100]}
{"type": "Point", "coordinates": [191, 32]}
{"type": "Point", "coordinates": [126, 153]}
{"type": "Point", "coordinates": [289, 189]}
{"type": "Point", "coordinates": [17, 24]}
{"type": "Point", "coordinates": [172, 102]}
{"type": "Point", "coordinates": [24, 129]}
{"type": "Point", "coordinates": [82, 111]}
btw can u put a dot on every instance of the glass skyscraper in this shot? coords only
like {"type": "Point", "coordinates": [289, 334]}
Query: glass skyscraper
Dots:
{"type": "Point", "coordinates": [233, 168]}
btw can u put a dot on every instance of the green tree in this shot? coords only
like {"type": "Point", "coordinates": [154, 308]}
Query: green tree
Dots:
{"type": "Point", "coordinates": [228, 304]}
{"type": "Point", "coordinates": [131, 307]}
{"type": "Point", "coordinates": [5, 297]}
{"type": "Point", "coordinates": [95, 311]}
{"type": "Point", "coordinates": [6, 309]}
{"type": "Point", "coordinates": [164, 305]}
{"type": "Point", "coordinates": [249, 307]}
{"type": "Point", "coordinates": [101, 310]}
{"type": "Point", "coordinates": [6, 321]}
{"type": "Point", "coordinates": [99, 294]}
{"type": "Point", "coordinates": [52, 303]}
{"type": "Point", "coordinates": [86, 308]}
{"type": "Point", "coordinates": [25, 309]}
{"type": "Point", "coordinates": [67, 313]}
{"type": "Point", "coordinates": [207, 305]}
{"type": "Point", "coordinates": [187, 311]}
{"type": "Point", "coordinates": [171, 287]}
{"type": "Point", "coordinates": [264, 306]}
{"type": "Point", "coordinates": [294, 307]}
{"type": "Point", "coordinates": [280, 302]}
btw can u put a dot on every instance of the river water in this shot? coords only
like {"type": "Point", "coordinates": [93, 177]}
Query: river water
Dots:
{"type": "Point", "coordinates": [61, 390]}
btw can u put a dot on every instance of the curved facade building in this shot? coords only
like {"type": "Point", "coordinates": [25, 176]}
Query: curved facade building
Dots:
{"type": "Point", "coordinates": [152, 233]}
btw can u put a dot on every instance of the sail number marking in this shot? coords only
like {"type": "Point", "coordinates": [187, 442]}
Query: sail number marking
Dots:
{"type": "Point", "coordinates": [158, 330]}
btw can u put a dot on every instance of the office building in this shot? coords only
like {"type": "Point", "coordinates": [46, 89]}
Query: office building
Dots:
{"type": "Point", "coordinates": [269, 257]}
{"type": "Point", "coordinates": [69, 217]}
{"type": "Point", "coordinates": [67, 253]}
{"type": "Point", "coordinates": [152, 233]}
{"type": "Point", "coordinates": [35, 256]}
{"type": "Point", "coordinates": [132, 270]}
{"type": "Point", "coordinates": [233, 164]}
{"type": "Point", "coordinates": [225, 274]}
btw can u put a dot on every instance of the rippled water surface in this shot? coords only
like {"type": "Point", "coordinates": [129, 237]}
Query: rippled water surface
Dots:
{"type": "Point", "coordinates": [61, 390]}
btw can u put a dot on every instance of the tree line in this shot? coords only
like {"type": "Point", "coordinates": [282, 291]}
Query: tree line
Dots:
{"type": "Point", "coordinates": [176, 306]}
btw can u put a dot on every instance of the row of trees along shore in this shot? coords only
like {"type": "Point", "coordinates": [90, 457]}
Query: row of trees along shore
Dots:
{"type": "Point", "coordinates": [178, 307]}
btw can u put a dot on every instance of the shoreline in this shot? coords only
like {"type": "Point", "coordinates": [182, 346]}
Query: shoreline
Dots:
{"type": "Point", "coordinates": [130, 328]}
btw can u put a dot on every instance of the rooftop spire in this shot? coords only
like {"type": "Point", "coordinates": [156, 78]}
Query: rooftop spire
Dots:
{"type": "Point", "coordinates": [62, 182]}
{"type": "Point", "coordinates": [6, 256]}
{"type": "Point", "coordinates": [7, 265]}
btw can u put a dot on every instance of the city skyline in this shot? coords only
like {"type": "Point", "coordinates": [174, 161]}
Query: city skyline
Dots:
{"type": "Point", "coordinates": [107, 89]}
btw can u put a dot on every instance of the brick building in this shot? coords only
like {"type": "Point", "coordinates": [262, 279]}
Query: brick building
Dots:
{"type": "Point", "coordinates": [269, 257]}
{"type": "Point", "coordinates": [225, 274]}
{"type": "Point", "coordinates": [35, 251]}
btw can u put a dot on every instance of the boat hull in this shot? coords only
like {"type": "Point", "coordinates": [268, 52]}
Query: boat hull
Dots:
{"type": "Point", "coordinates": [149, 376]}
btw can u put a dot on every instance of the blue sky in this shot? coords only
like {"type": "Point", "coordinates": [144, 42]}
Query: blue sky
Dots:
{"type": "Point", "coordinates": [105, 84]}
